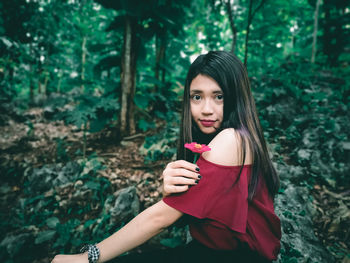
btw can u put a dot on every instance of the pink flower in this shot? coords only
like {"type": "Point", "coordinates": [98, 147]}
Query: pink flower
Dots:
{"type": "Point", "coordinates": [197, 148]}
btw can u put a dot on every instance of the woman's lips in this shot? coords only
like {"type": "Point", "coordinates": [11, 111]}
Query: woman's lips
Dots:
{"type": "Point", "coordinates": [207, 123]}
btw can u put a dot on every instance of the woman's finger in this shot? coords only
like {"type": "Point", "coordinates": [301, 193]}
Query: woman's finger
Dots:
{"type": "Point", "coordinates": [184, 164]}
{"type": "Point", "coordinates": [179, 180]}
{"type": "Point", "coordinates": [183, 173]}
{"type": "Point", "coordinates": [175, 189]}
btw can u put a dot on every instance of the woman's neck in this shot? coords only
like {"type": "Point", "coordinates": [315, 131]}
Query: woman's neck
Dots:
{"type": "Point", "coordinates": [202, 138]}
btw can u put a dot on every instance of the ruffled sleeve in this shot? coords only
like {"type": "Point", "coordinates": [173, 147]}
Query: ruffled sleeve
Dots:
{"type": "Point", "coordinates": [215, 195]}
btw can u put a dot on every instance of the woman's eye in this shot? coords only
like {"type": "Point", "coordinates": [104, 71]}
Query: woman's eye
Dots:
{"type": "Point", "coordinates": [220, 97]}
{"type": "Point", "coordinates": [196, 97]}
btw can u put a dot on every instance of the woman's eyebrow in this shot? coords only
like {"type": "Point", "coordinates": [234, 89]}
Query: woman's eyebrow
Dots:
{"type": "Point", "coordinates": [201, 91]}
{"type": "Point", "coordinates": [217, 91]}
{"type": "Point", "coordinates": [196, 91]}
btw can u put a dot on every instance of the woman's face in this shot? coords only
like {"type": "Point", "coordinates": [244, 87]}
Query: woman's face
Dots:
{"type": "Point", "coordinates": [207, 104]}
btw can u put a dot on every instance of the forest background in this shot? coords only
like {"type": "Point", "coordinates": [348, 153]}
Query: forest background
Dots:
{"type": "Point", "coordinates": [90, 97]}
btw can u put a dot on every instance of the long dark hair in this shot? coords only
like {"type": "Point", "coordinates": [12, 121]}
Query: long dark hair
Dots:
{"type": "Point", "coordinates": [239, 113]}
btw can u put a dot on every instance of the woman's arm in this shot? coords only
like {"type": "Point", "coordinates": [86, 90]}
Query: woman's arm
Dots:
{"type": "Point", "coordinates": [226, 149]}
{"type": "Point", "coordinates": [147, 224]}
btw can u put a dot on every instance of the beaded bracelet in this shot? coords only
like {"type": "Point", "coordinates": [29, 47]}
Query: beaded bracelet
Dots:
{"type": "Point", "coordinates": [93, 252]}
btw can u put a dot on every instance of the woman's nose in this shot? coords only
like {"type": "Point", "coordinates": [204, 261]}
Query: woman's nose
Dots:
{"type": "Point", "coordinates": [207, 107]}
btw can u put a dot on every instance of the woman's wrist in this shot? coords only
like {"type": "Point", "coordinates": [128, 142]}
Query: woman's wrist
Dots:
{"type": "Point", "coordinates": [165, 194]}
{"type": "Point", "coordinates": [92, 252]}
{"type": "Point", "coordinates": [85, 257]}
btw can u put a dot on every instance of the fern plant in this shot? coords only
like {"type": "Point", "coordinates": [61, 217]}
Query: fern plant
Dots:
{"type": "Point", "coordinates": [91, 113]}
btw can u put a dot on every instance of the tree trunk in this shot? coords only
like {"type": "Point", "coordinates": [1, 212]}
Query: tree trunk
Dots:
{"type": "Point", "coordinates": [83, 62]}
{"type": "Point", "coordinates": [39, 86]}
{"type": "Point", "coordinates": [334, 35]}
{"type": "Point", "coordinates": [31, 89]}
{"type": "Point", "coordinates": [164, 61]}
{"type": "Point", "coordinates": [160, 59]}
{"type": "Point", "coordinates": [46, 80]}
{"type": "Point", "coordinates": [128, 79]}
{"type": "Point", "coordinates": [58, 88]}
{"type": "Point", "coordinates": [131, 105]}
{"type": "Point", "coordinates": [157, 67]}
{"type": "Point", "coordinates": [248, 30]}
{"type": "Point", "coordinates": [251, 15]}
{"type": "Point", "coordinates": [31, 81]}
{"type": "Point", "coordinates": [326, 28]}
{"type": "Point", "coordinates": [314, 36]}
{"type": "Point", "coordinates": [232, 25]}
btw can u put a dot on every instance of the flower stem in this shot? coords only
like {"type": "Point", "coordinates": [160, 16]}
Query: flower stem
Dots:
{"type": "Point", "coordinates": [196, 156]}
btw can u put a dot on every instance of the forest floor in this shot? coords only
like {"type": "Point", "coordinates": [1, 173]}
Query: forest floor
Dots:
{"type": "Point", "coordinates": [39, 141]}
{"type": "Point", "coordinates": [44, 142]}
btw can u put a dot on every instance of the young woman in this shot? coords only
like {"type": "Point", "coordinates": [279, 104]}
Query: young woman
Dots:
{"type": "Point", "coordinates": [227, 195]}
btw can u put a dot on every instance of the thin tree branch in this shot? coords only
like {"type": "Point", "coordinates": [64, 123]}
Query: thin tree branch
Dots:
{"type": "Point", "coordinates": [257, 8]}
{"type": "Point", "coordinates": [251, 15]}
{"type": "Point", "coordinates": [232, 24]}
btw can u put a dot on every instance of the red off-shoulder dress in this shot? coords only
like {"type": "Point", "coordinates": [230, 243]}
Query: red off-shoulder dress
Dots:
{"type": "Point", "coordinates": [222, 217]}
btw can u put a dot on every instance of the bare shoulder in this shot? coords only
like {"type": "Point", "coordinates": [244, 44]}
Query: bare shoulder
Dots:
{"type": "Point", "coordinates": [226, 149]}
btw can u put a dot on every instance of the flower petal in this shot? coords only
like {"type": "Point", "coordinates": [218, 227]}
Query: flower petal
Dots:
{"type": "Point", "coordinates": [197, 148]}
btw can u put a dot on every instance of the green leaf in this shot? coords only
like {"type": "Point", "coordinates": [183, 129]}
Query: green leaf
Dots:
{"type": "Point", "coordinates": [329, 126]}
{"type": "Point", "coordinates": [141, 101]}
{"type": "Point", "coordinates": [44, 236]}
{"type": "Point", "coordinates": [145, 125]}
{"type": "Point", "coordinates": [52, 222]}
{"type": "Point", "coordinates": [302, 213]}
{"type": "Point", "coordinates": [171, 242]}
{"type": "Point", "coordinates": [92, 185]}
{"type": "Point", "coordinates": [89, 223]}
{"type": "Point", "coordinates": [98, 124]}
{"type": "Point", "coordinates": [292, 260]}
{"type": "Point", "coordinates": [77, 118]}
{"type": "Point", "coordinates": [107, 104]}
{"type": "Point", "coordinates": [92, 165]}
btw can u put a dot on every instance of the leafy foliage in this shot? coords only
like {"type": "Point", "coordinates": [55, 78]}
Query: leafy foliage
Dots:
{"type": "Point", "coordinates": [315, 136]}
{"type": "Point", "coordinates": [98, 111]}
{"type": "Point", "coordinates": [51, 224]}
{"type": "Point", "coordinates": [65, 57]}
{"type": "Point", "coordinates": [161, 145]}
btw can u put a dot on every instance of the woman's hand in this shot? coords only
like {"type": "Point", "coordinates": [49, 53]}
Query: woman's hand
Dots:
{"type": "Point", "coordinates": [78, 258]}
{"type": "Point", "coordinates": [178, 176]}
